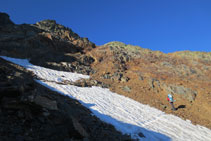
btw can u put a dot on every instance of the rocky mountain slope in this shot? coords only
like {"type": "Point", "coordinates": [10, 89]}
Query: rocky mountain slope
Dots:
{"type": "Point", "coordinates": [45, 43]}
{"type": "Point", "coordinates": [30, 111]}
{"type": "Point", "coordinates": [148, 76]}
{"type": "Point", "coordinates": [141, 74]}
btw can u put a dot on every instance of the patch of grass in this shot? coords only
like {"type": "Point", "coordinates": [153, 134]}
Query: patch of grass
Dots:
{"type": "Point", "coordinates": [131, 48]}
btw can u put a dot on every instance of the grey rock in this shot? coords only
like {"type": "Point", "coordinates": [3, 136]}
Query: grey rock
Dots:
{"type": "Point", "coordinates": [141, 78]}
{"type": "Point", "coordinates": [106, 76]}
{"type": "Point", "coordinates": [17, 74]}
{"type": "Point", "coordinates": [126, 88]}
{"type": "Point", "coordinates": [87, 60]}
{"type": "Point", "coordinates": [154, 83]}
{"type": "Point", "coordinates": [46, 103]}
{"type": "Point", "coordinates": [187, 93]}
{"type": "Point", "coordinates": [79, 127]}
{"type": "Point", "coordinates": [124, 79]}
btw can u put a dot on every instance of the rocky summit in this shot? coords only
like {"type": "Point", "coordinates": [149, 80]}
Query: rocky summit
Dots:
{"type": "Point", "coordinates": [144, 75]}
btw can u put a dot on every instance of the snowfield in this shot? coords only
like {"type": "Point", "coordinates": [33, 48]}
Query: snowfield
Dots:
{"type": "Point", "coordinates": [125, 114]}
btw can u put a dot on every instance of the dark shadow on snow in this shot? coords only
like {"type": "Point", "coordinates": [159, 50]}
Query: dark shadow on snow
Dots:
{"type": "Point", "coordinates": [133, 130]}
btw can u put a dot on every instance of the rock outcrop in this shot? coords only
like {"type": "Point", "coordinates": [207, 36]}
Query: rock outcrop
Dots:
{"type": "Point", "coordinates": [5, 19]}
{"type": "Point", "coordinates": [41, 42]}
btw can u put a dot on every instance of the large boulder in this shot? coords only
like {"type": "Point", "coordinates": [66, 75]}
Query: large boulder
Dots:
{"type": "Point", "coordinates": [186, 93]}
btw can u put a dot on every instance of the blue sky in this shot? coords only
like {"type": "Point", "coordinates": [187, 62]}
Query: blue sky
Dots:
{"type": "Point", "coordinates": [165, 25]}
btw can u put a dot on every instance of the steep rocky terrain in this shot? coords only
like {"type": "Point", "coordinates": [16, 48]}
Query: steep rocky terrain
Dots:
{"type": "Point", "coordinates": [45, 43]}
{"type": "Point", "coordinates": [148, 76]}
{"type": "Point", "coordinates": [29, 112]}
{"type": "Point", "coordinates": [141, 74]}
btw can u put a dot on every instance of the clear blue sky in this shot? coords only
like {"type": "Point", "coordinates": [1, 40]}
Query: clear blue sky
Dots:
{"type": "Point", "coordinates": [165, 25]}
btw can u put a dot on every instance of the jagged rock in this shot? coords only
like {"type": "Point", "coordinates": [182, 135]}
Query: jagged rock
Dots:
{"type": "Point", "coordinates": [5, 20]}
{"type": "Point", "coordinates": [187, 93]}
{"type": "Point", "coordinates": [107, 76]}
{"type": "Point", "coordinates": [89, 83]}
{"type": "Point", "coordinates": [87, 60]}
{"type": "Point", "coordinates": [41, 42]}
{"type": "Point", "coordinates": [36, 113]}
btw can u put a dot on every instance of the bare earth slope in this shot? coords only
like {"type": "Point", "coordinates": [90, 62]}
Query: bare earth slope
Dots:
{"type": "Point", "coordinates": [148, 76]}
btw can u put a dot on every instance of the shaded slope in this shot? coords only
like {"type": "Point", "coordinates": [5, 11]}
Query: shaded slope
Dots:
{"type": "Point", "coordinates": [29, 111]}
{"type": "Point", "coordinates": [45, 43]}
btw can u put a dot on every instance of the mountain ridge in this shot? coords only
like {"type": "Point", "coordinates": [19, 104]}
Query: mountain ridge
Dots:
{"type": "Point", "coordinates": [142, 74]}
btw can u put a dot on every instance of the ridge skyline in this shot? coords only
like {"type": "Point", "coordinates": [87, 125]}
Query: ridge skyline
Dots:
{"type": "Point", "coordinates": [167, 26]}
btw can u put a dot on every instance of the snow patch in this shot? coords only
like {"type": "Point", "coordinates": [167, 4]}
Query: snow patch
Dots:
{"type": "Point", "coordinates": [125, 114]}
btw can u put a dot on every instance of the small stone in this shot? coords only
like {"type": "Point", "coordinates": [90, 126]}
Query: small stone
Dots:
{"type": "Point", "coordinates": [9, 77]}
{"type": "Point", "coordinates": [141, 78]}
{"type": "Point", "coordinates": [106, 76]}
{"type": "Point", "coordinates": [126, 88]}
{"type": "Point", "coordinates": [46, 114]}
{"type": "Point", "coordinates": [141, 135]}
{"type": "Point", "coordinates": [163, 107]}
{"type": "Point", "coordinates": [125, 79]}
{"type": "Point", "coordinates": [17, 74]}
{"type": "Point", "coordinates": [95, 82]}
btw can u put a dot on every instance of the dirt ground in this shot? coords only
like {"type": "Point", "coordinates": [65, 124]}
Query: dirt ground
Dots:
{"type": "Point", "coordinates": [146, 83]}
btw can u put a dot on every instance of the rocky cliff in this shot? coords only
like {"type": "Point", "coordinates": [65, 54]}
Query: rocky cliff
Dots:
{"type": "Point", "coordinates": [42, 41]}
{"type": "Point", "coordinates": [144, 75]}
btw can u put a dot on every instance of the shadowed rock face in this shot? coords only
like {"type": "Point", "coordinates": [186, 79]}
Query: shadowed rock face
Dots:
{"type": "Point", "coordinates": [46, 43]}
{"type": "Point", "coordinates": [29, 111]}
{"type": "Point", "coordinates": [5, 20]}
